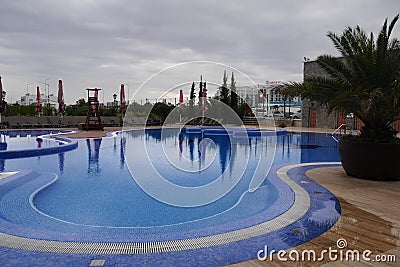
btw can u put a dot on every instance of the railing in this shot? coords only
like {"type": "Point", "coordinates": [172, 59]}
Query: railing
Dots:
{"type": "Point", "coordinates": [340, 129]}
{"type": "Point", "coordinates": [337, 130]}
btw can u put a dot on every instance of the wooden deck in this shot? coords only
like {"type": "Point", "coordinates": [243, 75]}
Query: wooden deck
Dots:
{"type": "Point", "coordinates": [370, 220]}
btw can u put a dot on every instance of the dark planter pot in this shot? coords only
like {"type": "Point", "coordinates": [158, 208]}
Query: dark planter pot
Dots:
{"type": "Point", "coordinates": [373, 161]}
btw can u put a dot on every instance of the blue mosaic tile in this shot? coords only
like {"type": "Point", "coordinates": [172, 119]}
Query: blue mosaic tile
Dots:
{"type": "Point", "coordinates": [311, 225]}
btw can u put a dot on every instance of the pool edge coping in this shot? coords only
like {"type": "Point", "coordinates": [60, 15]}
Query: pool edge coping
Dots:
{"type": "Point", "coordinates": [65, 145]}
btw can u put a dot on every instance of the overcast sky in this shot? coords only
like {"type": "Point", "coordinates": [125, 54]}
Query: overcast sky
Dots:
{"type": "Point", "coordinates": [98, 43]}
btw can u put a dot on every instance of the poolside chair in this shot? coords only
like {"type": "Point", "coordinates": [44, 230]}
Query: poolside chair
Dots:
{"type": "Point", "coordinates": [13, 122]}
{"type": "Point", "coordinates": [52, 122]}
{"type": "Point", "coordinates": [5, 122]}
{"type": "Point", "coordinates": [43, 122]}
{"type": "Point", "coordinates": [149, 122]}
{"type": "Point", "coordinates": [28, 122]}
{"type": "Point", "coordinates": [75, 121]}
{"type": "Point", "coordinates": [157, 121]}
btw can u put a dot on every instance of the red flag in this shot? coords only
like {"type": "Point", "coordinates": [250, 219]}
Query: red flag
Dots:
{"type": "Point", "coordinates": [38, 104]}
{"type": "Point", "coordinates": [122, 99]}
{"type": "Point", "coordinates": [61, 104]}
{"type": "Point", "coordinates": [204, 98]}
{"type": "Point", "coordinates": [180, 100]}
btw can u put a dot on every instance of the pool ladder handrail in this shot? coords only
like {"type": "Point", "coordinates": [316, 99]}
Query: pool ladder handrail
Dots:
{"type": "Point", "coordinates": [337, 130]}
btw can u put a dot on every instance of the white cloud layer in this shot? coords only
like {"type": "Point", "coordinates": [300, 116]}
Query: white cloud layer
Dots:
{"type": "Point", "coordinates": [105, 43]}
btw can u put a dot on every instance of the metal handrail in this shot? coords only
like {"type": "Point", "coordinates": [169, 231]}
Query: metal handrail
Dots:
{"type": "Point", "coordinates": [339, 128]}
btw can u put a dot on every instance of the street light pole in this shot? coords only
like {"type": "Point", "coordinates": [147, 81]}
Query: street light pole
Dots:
{"type": "Point", "coordinates": [127, 84]}
{"type": "Point", "coordinates": [27, 93]}
{"type": "Point", "coordinates": [48, 94]}
{"type": "Point", "coordinates": [115, 106]}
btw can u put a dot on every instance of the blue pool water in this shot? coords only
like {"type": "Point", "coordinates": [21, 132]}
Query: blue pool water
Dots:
{"type": "Point", "coordinates": [26, 139]}
{"type": "Point", "coordinates": [95, 189]}
{"type": "Point", "coordinates": [118, 191]}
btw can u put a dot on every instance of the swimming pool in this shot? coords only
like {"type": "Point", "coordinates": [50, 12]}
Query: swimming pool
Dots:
{"type": "Point", "coordinates": [97, 193]}
{"type": "Point", "coordinates": [27, 139]}
{"type": "Point", "coordinates": [32, 143]}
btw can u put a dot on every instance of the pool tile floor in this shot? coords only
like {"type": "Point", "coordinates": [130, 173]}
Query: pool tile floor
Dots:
{"type": "Point", "coordinates": [299, 227]}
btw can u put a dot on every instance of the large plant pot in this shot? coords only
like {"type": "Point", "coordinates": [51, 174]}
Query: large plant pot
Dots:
{"type": "Point", "coordinates": [374, 161]}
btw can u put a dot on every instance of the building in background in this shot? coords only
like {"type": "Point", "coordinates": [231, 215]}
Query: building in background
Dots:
{"type": "Point", "coordinates": [266, 99]}
{"type": "Point", "coordinates": [315, 115]}
{"type": "Point", "coordinates": [29, 99]}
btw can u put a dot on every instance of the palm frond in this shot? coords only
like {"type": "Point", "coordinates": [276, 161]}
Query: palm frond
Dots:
{"type": "Point", "coordinates": [392, 24]}
{"type": "Point", "coordinates": [336, 68]}
{"type": "Point", "coordinates": [365, 81]}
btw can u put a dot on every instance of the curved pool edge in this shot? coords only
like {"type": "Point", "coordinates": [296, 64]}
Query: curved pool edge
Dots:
{"type": "Point", "coordinates": [65, 144]}
{"type": "Point", "coordinates": [294, 214]}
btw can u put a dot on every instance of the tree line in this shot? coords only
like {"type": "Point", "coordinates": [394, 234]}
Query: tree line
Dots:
{"type": "Point", "coordinates": [80, 108]}
{"type": "Point", "coordinates": [226, 94]}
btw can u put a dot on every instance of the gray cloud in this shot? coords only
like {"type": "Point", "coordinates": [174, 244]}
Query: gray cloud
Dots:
{"type": "Point", "coordinates": [104, 43]}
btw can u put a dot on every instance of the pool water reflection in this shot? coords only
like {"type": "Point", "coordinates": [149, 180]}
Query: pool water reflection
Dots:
{"type": "Point", "coordinates": [95, 186]}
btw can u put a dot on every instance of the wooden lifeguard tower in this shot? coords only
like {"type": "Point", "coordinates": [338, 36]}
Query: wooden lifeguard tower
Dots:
{"type": "Point", "coordinates": [93, 119]}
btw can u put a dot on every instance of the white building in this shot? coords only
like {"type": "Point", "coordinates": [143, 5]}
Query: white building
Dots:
{"type": "Point", "coordinates": [266, 98]}
{"type": "Point", "coordinates": [29, 99]}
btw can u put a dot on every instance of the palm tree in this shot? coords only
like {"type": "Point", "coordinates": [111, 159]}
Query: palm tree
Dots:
{"type": "Point", "coordinates": [365, 81]}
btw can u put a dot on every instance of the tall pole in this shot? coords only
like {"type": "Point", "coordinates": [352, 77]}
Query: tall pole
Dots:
{"type": "Point", "coordinates": [48, 94]}
{"type": "Point", "coordinates": [27, 93]}
{"type": "Point", "coordinates": [263, 101]}
{"type": "Point", "coordinates": [115, 102]}
{"type": "Point", "coordinates": [201, 97]}
{"type": "Point", "coordinates": [48, 97]}
{"type": "Point", "coordinates": [127, 84]}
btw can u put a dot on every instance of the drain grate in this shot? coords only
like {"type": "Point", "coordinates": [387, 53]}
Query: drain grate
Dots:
{"type": "Point", "coordinates": [97, 263]}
